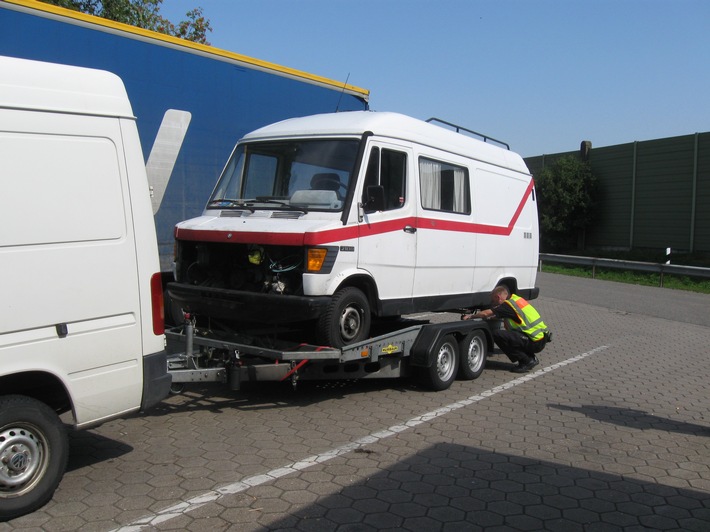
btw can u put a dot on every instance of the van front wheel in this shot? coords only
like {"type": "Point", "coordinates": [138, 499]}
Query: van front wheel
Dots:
{"type": "Point", "coordinates": [33, 455]}
{"type": "Point", "coordinates": [346, 319]}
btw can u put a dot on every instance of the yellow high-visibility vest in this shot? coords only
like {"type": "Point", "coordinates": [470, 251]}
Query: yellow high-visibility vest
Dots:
{"type": "Point", "coordinates": [530, 321]}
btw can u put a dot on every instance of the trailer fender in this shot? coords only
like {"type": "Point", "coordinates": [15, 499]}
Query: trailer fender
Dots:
{"type": "Point", "coordinates": [422, 352]}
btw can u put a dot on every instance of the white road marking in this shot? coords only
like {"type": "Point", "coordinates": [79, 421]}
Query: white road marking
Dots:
{"type": "Point", "coordinates": [184, 507]}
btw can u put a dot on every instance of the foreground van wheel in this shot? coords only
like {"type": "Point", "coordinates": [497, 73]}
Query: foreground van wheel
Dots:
{"type": "Point", "coordinates": [473, 351]}
{"type": "Point", "coordinates": [346, 320]}
{"type": "Point", "coordinates": [33, 455]}
{"type": "Point", "coordinates": [442, 373]}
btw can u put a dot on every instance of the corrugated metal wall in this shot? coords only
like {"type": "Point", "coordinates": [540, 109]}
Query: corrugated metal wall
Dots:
{"type": "Point", "coordinates": [702, 209]}
{"type": "Point", "coordinates": [652, 194]}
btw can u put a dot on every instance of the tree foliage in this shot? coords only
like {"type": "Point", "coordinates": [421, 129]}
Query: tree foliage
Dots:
{"type": "Point", "coordinates": [143, 14]}
{"type": "Point", "coordinates": [566, 191]}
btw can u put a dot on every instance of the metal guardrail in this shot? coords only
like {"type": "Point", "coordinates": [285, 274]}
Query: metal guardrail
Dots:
{"type": "Point", "coordinates": [651, 267]}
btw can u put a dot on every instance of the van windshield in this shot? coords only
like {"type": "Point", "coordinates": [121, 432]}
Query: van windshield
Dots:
{"type": "Point", "coordinates": [287, 174]}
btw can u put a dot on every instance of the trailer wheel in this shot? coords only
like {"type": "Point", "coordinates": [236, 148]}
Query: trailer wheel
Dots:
{"type": "Point", "coordinates": [33, 455]}
{"type": "Point", "coordinates": [442, 372]}
{"type": "Point", "coordinates": [473, 353]}
{"type": "Point", "coordinates": [177, 388]}
{"type": "Point", "coordinates": [346, 319]}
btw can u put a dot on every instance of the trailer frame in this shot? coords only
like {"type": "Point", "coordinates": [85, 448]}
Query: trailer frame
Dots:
{"type": "Point", "coordinates": [435, 352]}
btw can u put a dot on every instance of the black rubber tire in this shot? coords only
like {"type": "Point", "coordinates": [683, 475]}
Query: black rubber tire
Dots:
{"type": "Point", "coordinates": [34, 449]}
{"type": "Point", "coordinates": [442, 373]}
{"type": "Point", "coordinates": [346, 320]}
{"type": "Point", "coordinates": [177, 388]}
{"type": "Point", "coordinates": [473, 351]}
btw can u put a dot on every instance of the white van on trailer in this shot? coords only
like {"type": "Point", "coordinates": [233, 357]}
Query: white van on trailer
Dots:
{"type": "Point", "coordinates": [336, 218]}
{"type": "Point", "coordinates": [81, 304]}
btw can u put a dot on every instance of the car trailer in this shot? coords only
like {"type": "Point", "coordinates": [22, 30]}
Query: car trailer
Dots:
{"type": "Point", "coordinates": [434, 353]}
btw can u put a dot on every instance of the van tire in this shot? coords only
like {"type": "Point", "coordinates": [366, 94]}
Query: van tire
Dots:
{"type": "Point", "coordinates": [29, 429]}
{"type": "Point", "coordinates": [346, 319]}
{"type": "Point", "coordinates": [442, 372]}
{"type": "Point", "coordinates": [473, 351]}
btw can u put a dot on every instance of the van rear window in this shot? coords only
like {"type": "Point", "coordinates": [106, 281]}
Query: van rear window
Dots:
{"type": "Point", "coordinates": [445, 187]}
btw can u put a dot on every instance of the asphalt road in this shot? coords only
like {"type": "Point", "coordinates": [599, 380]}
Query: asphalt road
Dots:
{"type": "Point", "coordinates": [676, 305]}
{"type": "Point", "coordinates": [610, 432]}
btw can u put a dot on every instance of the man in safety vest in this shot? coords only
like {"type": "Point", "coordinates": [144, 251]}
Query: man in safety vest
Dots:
{"type": "Point", "coordinates": [525, 333]}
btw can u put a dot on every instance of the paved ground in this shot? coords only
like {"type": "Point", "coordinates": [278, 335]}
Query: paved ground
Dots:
{"type": "Point", "coordinates": [611, 432]}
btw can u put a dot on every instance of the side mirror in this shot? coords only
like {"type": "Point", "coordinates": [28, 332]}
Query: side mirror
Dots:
{"type": "Point", "coordinates": [374, 198]}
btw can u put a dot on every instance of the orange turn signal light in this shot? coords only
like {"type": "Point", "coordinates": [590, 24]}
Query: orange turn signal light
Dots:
{"type": "Point", "coordinates": [316, 257]}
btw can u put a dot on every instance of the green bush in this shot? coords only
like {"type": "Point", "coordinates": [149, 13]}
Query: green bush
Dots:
{"type": "Point", "coordinates": [566, 193]}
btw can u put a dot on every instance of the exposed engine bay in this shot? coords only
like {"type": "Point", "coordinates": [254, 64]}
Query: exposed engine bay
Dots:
{"type": "Point", "coordinates": [243, 267]}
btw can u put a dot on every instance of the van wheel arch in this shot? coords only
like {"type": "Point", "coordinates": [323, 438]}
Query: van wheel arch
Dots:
{"type": "Point", "coordinates": [367, 286]}
{"type": "Point", "coordinates": [40, 385]}
{"type": "Point", "coordinates": [511, 283]}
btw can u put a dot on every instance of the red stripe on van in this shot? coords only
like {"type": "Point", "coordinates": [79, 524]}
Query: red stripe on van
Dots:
{"type": "Point", "coordinates": [240, 237]}
{"type": "Point", "coordinates": [387, 226]}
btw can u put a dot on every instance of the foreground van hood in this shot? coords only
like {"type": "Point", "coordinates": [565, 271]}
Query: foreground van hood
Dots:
{"type": "Point", "coordinates": [262, 228]}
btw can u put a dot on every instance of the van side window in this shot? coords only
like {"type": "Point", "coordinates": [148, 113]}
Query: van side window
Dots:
{"type": "Point", "coordinates": [388, 168]}
{"type": "Point", "coordinates": [445, 187]}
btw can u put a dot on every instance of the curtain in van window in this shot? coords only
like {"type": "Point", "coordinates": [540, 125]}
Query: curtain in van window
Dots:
{"type": "Point", "coordinates": [460, 196]}
{"type": "Point", "coordinates": [444, 186]}
{"type": "Point", "coordinates": [430, 183]}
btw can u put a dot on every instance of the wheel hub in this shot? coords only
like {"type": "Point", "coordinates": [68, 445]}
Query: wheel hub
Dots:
{"type": "Point", "coordinates": [350, 323]}
{"type": "Point", "coordinates": [20, 456]}
{"type": "Point", "coordinates": [18, 462]}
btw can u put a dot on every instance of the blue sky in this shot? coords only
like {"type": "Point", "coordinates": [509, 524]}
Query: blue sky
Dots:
{"type": "Point", "coordinates": [542, 75]}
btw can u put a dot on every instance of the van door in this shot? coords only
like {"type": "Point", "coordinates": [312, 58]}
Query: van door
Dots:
{"type": "Point", "coordinates": [388, 238]}
{"type": "Point", "coordinates": [446, 240]}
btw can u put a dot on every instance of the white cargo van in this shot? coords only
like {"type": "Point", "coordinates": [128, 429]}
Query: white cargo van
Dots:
{"type": "Point", "coordinates": [81, 325]}
{"type": "Point", "coordinates": [336, 218]}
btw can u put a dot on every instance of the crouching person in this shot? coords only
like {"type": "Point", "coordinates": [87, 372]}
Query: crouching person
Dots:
{"type": "Point", "coordinates": [525, 334]}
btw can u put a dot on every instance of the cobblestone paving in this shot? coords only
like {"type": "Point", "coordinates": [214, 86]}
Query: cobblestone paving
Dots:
{"type": "Point", "coordinates": [610, 432]}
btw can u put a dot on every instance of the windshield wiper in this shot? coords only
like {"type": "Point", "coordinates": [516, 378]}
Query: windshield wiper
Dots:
{"type": "Point", "coordinates": [231, 203]}
{"type": "Point", "coordinates": [266, 199]}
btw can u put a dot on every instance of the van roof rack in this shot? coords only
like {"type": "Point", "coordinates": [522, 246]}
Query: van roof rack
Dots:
{"type": "Point", "coordinates": [485, 138]}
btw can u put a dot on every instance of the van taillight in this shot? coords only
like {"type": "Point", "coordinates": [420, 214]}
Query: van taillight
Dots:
{"type": "Point", "coordinates": [156, 300]}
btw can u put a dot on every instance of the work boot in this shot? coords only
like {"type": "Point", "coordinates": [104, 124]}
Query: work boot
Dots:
{"type": "Point", "coordinates": [524, 368]}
